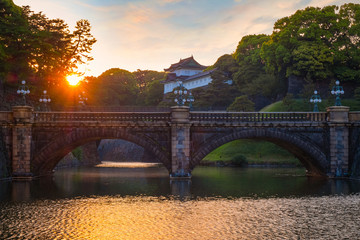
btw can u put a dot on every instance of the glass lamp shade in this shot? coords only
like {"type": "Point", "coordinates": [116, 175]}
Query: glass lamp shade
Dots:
{"type": "Point", "coordinates": [23, 82]}
{"type": "Point", "coordinates": [28, 91]}
{"type": "Point", "coordinates": [342, 91]}
{"type": "Point", "coordinates": [40, 100]}
{"type": "Point", "coordinates": [185, 92]}
{"type": "Point", "coordinates": [45, 100]}
{"type": "Point", "coordinates": [49, 100]}
{"type": "Point", "coordinates": [18, 91]}
{"type": "Point", "coordinates": [337, 82]}
{"type": "Point", "coordinates": [175, 91]}
{"type": "Point", "coordinates": [315, 92]}
{"type": "Point", "coordinates": [311, 100]}
{"type": "Point", "coordinates": [45, 91]}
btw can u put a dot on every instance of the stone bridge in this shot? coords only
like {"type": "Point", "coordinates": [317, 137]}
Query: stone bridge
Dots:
{"type": "Point", "coordinates": [326, 143]}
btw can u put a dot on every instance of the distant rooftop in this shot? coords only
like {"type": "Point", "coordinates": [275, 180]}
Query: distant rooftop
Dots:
{"type": "Point", "coordinates": [188, 63]}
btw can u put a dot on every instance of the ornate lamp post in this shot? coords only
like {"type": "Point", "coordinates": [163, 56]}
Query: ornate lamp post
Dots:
{"type": "Point", "coordinates": [337, 91]}
{"type": "Point", "coordinates": [191, 100]}
{"type": "Point", "coordinates": [183, 95]}
{"type": "Point", "coordinates": [23, 90]}
{"type": "Point", "coordinates": [82, 99]}
{"type": "Point", "coordinates": [45, 99]}
{"type": "Point", "coordinates": [315, 99]}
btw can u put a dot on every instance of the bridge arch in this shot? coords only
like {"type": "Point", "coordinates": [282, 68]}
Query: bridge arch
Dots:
{"type": "Point", "coordinates": [309, 154]}
{"type": "Point", "coordinates": [47, 157]}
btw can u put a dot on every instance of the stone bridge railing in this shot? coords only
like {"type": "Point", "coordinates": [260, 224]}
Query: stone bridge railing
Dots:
{"type": "Point", "coordinates": [195, 116]}
{"type": "Point", "coordinates": [47, 117]}
{"type": "Point", "coordinates": [258, 116]}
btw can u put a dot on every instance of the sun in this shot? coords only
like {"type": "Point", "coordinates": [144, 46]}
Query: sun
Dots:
{"type": "Point", "coordinates": [74, 79]}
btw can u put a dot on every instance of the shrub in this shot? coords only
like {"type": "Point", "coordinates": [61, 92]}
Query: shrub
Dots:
{"type": "Point", "coordinates": [239, 160]}
{"type": "Point", "coordinates": [77, 152]}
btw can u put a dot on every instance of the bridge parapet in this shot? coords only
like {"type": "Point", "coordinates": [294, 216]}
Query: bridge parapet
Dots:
{"type": "Point", "coordinates": [6, 117]}
{"type": "Point", "coordinates": [58, 117]}
{"type": "Point", "coordinates": [258, 116]}
{"type": "Point", "coordinates": [354, 116]}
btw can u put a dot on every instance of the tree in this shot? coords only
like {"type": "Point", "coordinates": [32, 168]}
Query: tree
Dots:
{"type": "Point", "coordinates": [38, 48]}
{"type": "Point", "coordinates": [316, 43]}
{"type": "Point", "coordinates": [242, 104]}
{"type": "Point", "coordinates": [14, 35]}
{"type": "Point", "coordinates": [146, 81]}
{"type": "Point", "coordinates": [288, 101]}
{"type": "Point", "coordinates": [251, 77]}
{"type": "Point", "coordinates": [114, 87]}
{"type": "Point", "coordinates": [220, 93]}
{"type": "Point", "coordinates": [154, 93]}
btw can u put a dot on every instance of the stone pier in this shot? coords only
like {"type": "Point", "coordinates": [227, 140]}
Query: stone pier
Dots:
{"type": "Point", "coordinates": [21, 145]}
{"type": "Point", "coordinates": [339, 140]}
{"type": "Point", "coordinates": [180, 142]}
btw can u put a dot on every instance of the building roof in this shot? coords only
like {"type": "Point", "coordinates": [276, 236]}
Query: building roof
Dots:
{"type": "Point", "coordinates": [188, 63]}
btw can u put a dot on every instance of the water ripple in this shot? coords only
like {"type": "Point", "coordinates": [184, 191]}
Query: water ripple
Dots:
{"type": "Point", "coordinates": [131, 217]}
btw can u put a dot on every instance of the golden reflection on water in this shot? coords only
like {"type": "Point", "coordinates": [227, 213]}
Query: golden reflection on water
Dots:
{"type": "Point", "coordinates": [328, 217]}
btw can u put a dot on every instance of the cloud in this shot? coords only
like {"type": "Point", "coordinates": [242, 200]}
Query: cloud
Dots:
{"type": "Point", "coordinates": [152, 34]}
{"type": "Point", "coordinates": [169, 1]}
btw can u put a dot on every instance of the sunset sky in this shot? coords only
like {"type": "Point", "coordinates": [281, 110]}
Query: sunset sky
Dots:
{"type": "Point", "coordinates": [152, 34]}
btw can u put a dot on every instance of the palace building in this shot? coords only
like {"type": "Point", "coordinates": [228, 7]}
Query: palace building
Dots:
{"type": "Point", "coordinates": [189, 72]}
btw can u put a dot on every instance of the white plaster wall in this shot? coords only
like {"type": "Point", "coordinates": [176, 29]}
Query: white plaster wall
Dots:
{"type": "Point", "coordinates": [186, 72]}
{"type": "Point", "coordinates": [199, 82]}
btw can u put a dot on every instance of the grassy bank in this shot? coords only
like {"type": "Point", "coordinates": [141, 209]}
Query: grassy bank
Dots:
{"type": "Point", "coordinates": [299, 105]}
{"type": "Point", "coordinates": [255, 152]}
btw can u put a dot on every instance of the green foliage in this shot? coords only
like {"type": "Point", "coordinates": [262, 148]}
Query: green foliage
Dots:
{"type": "Point", "coordinates": [40, 49]}
{"type": "Point", "coordinates": [114, 87]}
{"type": "Point", "coordinates": [154, 93]}
{"type": "Point", "coordinates": [296, 105]}
{"type": "Point", "coordinates": [251, 77]}
{"type": "Point", "coordinates": [357, 94]}
{"type": "Point", "coordinates": [13, 41]}
{"type": "Point", "coordinates": [316, 43]}
{"type": "Point", "coordinates": [301, 105]}
{"type": "Point", "coordinates": [118, 87]}
{"type": "Point", "coordinates": [255, 152]}
{"type": "Point", "coordinates": [288, 101]}
{"type": "Point", "coordinates": [150, 90]}
{"type": "Point", "coordinates": [242, 104]}
{"type": "Point", "coordinates": [77, 152]}
{"type": "Point", "coordinates": [225, 93]}
{"type": "Point", "coordinates": [239, 160]}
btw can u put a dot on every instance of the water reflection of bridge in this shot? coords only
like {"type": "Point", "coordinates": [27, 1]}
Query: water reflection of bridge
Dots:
{"type": "Point", "coordinates": [326, 143]}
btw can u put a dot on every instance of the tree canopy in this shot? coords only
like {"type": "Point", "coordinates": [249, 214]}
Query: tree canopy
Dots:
{"type": "Point", "coordinates": [316, 43]}
{"type": "Point", "coordinates": [40, 49]}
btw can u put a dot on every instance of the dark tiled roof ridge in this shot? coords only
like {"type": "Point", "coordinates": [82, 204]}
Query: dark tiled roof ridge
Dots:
{"type": "Point", "coordinates": [183, 62]}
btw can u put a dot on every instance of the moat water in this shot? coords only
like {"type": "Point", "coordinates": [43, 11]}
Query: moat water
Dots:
{"type": "Point", "coordinates": [142, 203]}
